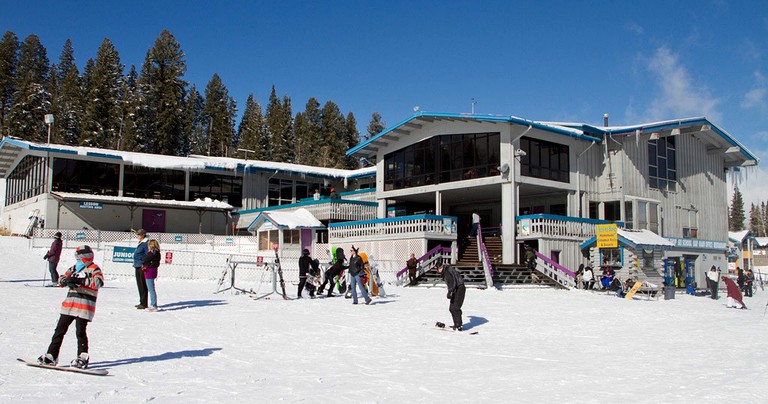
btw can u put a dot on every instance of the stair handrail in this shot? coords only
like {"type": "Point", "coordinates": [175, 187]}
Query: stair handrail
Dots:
{"type": "Point", "coordinates": [558, 273]}
{"type": "Point", "coordinates": [484, 258]}
{"type": "Point", "coordinates": [427, 261]}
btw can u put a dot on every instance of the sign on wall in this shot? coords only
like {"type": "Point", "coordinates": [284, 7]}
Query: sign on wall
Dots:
{"type": "Point", "coordinates": [168, 257]}
{"type": "Point", "coordinates": [91, 205]}
{"type": "Point", "coordinates": [607, 235]}
{"type": "Point", "coordinates": [123, 254]}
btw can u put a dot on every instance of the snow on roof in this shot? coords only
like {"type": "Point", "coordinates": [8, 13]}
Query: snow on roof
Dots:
{"type": "Point", "coordinates": [299, 218]}
{"type": "Point", "coordinates": [644, 238]}
{"type": "Point", "coordinates": [206, 203]}
{"type": "Point", "coordinates": [761, 241]}
{"type": "Point", "coordinates": [738, 236]}
{"type": "Point", "coordinates": [232, 163]}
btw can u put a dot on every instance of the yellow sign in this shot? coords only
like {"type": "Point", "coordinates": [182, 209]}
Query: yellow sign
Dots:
{"type": "Point", "coordinates": [607, 235]}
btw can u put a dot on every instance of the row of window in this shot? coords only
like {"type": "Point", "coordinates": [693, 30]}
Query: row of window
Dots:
{"type": "Point", "coordinates": [286, 191]}
{"type": "Point", "coordinates": [26, 181]}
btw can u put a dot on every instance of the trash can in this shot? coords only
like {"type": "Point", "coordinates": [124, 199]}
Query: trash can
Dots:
{"type": "Point", "coordinates": [669, 292]}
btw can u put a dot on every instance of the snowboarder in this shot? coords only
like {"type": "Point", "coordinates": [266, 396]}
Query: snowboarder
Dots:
{"type": "Point", "coordinates": [53, 255]}
{"type": "Point", "coordinates": [138, 257]}
{"type": "Point", "coordinates": [356, 274]}
{"type": "Point", "coordinates": [412, 264]}
{"type": "Point", "coordinates": [84, 280]}
{"type": "Point", "coordinates": [734, 294]}
{"type": "Point", "coordinates": [304, 262]}
{"type": "Point", "coordinates": [456, 292]}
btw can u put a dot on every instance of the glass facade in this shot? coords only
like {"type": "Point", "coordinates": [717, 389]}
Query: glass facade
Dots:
{"type": "Point", "coordinates": [85, 177]}
{"type": "Point", "coordinates": [26, 181]}
{"type": "Point", "coordinates": [441, 159]}
{"type": "Point", "coordinates": [150, 183]}
{"type": "Point", "coordinates": [662, 169]}
{"type": "Point", "coordinates": [284, 191]}
{"type": "Point", "coordinates": [224, 188]}
{"type": "Point", "coordinates": [546, 160]}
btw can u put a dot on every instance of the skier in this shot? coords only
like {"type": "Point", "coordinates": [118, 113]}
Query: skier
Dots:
{"type": "Point", "coordinates": [355, 274]}
{"type": "Point", "coordinates": [332, 272]}
{"type": "Point", "coordinates": [456, 292]}
{"type": "Point", "coordinates": [53, 255]}
{"type": "Point", "coordinates": [304, 263]}
{"type": "Point", "coordinates": [734, 294]}
{"type": "Point", "coordinates": [84, 280]}
{"type": "Point", "coordinates": [138, 264]}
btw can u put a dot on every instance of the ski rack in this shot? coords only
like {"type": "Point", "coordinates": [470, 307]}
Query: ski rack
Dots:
{"type": "Point", "coordinates": [272, 268]}
{"type": "Point", "coordinates": [232, 269]}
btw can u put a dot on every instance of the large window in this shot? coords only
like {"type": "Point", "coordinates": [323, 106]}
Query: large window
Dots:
{"type": "Point", "coordinates": [662, 169]}
{"type": "Point", "coordinates": [143, 182]}
{"type": "Point", "coordinates": [441, 159]}
{"type": "Point", "coordinates": [546, 160]}
{"type": "Point", "coordinates": [26, 180]}
{"type": "Point", "coordinates": [283, 191]}
{"type": "Point", "coordinates": [224, 188]}
{"type": "Point", "coordinates": [85, 177]}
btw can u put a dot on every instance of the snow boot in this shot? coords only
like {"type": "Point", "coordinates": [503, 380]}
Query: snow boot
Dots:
{"type": "Point", "coordinates": [47, 359]}
{"type": "Point", "coordinates": [81, 362]}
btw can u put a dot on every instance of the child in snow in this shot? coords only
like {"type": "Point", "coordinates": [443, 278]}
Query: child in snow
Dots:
{"type": "Point", "coordinates": [84, 280]}
{"type": "Point", "coordinates": [456, 292]}
{"type": "Point", "coordinates": [151, 262]}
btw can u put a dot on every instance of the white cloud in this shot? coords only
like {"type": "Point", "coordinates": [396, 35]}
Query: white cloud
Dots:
{"type": "Point", "coordinates": [752, 181]}
{"type": "Point", "coordinates": [635, 27]}
{"type": "Point", "coordinates": [757, 97]}
{"type": "Point", "coordinates": [678, 95]}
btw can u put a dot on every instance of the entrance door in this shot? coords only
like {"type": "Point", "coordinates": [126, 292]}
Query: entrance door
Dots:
{"type": "Point", "coordinates": [306, 239]}
{"type": "Point", "coordinates": [153, 220]}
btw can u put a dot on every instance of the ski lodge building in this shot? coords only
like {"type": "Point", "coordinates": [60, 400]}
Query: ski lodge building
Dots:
{"type": "Point", "coordinates": [543, 184]}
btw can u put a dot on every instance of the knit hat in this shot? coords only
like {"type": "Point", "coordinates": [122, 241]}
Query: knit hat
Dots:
{"type": "Point", "coordinates": [57, 235]}
{"type": "Point", "coordinates": [84, 253]}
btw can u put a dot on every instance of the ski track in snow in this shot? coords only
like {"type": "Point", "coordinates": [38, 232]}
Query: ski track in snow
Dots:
{"type": "Point", "coordinates": [537, 345]}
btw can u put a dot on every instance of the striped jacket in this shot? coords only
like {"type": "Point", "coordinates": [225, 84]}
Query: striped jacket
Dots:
{"type": "Point", "coordinates": [81, 300]}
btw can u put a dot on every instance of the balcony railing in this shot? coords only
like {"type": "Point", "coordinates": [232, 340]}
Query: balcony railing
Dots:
{"type": "Point", "coordinates": [546, 225]}
{"type": "Point", "coordinates": [324, 209]}
{"type": "Point", "coordinates": [416, 226]}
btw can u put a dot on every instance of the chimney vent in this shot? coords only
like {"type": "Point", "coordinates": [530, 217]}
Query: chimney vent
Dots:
{"type": "Point", "coordinates": [605, 120]}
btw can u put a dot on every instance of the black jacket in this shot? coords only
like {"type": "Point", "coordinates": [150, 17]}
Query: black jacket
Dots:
{"type": "Point", "coordinates": [152, 259]}
{"type": "Point", "coordinates": [355, 265]}
{"type": "Point", "coordinates": [304, 265]}
{"type": "Point", "coordinates": [453, 279]}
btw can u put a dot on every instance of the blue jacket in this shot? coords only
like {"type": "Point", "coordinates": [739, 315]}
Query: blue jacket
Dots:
{"type": "Point", "coordinates": [140, 253]}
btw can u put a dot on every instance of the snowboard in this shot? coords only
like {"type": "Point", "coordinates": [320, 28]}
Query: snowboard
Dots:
{"type": "Point", "coordinates": [441, 327]}
{"type": "Point", "coordinates": [94, 372]}
{"type": "Point", "coordinates": [634, 290]}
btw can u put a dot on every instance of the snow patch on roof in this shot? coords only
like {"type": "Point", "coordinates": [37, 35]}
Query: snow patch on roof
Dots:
{"type": "Point", "coordinates": [207, 203]}
{"type": "Point", "coordinates": [644, 238]}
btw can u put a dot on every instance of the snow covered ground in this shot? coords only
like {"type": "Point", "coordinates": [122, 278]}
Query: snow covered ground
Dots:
{"type": "Point", "coordinates": [534, 345]}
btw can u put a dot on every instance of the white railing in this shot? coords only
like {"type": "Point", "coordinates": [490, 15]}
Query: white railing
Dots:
{"type": "Point", "coordinates": [426, 226]}
{"type": "Point", "coordinates": [546, 225]}
{"type": "Point", "coordinates": [555, 271]}
{"type": "Point", "coordinates": [342, 210]}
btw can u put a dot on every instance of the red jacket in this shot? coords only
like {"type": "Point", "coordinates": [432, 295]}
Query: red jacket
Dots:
{"type": "Point", "coordinates": [732, 289]}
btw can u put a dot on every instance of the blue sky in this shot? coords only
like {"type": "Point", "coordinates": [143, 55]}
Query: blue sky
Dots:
{"type": "Point", "coordinates": [540, 60]}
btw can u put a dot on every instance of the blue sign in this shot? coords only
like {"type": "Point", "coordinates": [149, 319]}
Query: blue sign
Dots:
{"type": "Point", "coordinates": [229, 240]}
{"type": "Point", "coordinates": [178, 239]}
{"type": "Point", "coordinates": [79, 235]}
{"type": "Point", "coordinates": [91, 205]}
{"type": "Point", "coordinates": [123, 254]}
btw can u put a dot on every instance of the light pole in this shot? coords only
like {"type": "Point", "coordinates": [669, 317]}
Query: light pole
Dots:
{"type": "Point", "coordinates": [49, 122]}
{"type": "Point", "coordinates": [246, 152]}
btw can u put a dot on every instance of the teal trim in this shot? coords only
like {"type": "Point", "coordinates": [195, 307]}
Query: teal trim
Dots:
{"type": "Point", "coordinates": [103, 155]}
{"type": "Point", "coordinates": [391, 220]}
{"type": "Point", "coordinates": [24, 145]}
{"type": "Point", "coordinates": [566, 219]}
{"type": "Point", "coordinates": [623, 241]}
{"type": "Point", "coordinates": [307, 203]}
{"type": "Point", "coordinates": [481, 118]}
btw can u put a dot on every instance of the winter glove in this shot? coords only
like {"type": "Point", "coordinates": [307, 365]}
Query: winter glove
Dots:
{"type": "Point", "coordinates": [450, 295]}
{"type": "Point", "coordinates": [74, 282]}
{"type": "Point", "coordinates": [45, 257]}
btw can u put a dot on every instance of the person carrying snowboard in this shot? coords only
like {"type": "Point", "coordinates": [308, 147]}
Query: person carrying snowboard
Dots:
{"type": "Point", "coordinates": [84, 280]}
{"type": "Point", "coordinates": [456, 291]}
{"type": "Point", "coordinates": [332, 272]}
{"type": "Point", "coordinates": [356, 274]}
{"type": "Point", "coordinates": [304, 262]}
{"type": "Point", "coordinates": [53, 255]}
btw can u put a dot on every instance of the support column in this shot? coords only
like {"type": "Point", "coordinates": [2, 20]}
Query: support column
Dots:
{"type": "Point", "coordinates": [381, 210]}
{"type": "Point", "coordinates": [438, 203]}
{"type": "Point", "coordinates": [508, 209]}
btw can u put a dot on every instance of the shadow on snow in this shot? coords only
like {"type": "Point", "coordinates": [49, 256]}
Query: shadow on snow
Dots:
{"type": "Point", "coordinates": [191, 304]}
{"type": "Point", "coordinates": [155, 358]}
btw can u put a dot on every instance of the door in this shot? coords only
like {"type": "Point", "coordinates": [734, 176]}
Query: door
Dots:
{"type": "Point", "coordinates": [306, 239]}
{"type": "Point", "coordinates": [153, 220]}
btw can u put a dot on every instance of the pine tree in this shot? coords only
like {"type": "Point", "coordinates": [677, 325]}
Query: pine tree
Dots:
{"type": "Point", "coordinates": [308, 133]}
{"type": "Point", "coordinates": [69, 98]}
{"type": "Point", "coordinates": [736, 217]}
{"type": "Point", "coordinates": [251, 134]}
{"type": "Point", "coordinates": [196, 124]}
{"type": "Point", "coordinates": [754, 220]}
{"type": "Point", "coordinates": [9, 57]}
{"type": "Point", "coordinates": [375, 126]}
{"type": "Point", "coordinates": [130, 103]}
{"type": "Point", "coordinates": [220, 111]}
{"type": "Point", "coordinates": [352, 139]}
{"type": "Point", "coordinates": [163, 95]}
{"type": "Point", "coordinates": [280, 128]}
{"type": "Point", "coordinates": [103, 113]}
{"type": "Point", "coordinates": [32, 100]}
{"type": "Point", "coordinates": [333, 132]}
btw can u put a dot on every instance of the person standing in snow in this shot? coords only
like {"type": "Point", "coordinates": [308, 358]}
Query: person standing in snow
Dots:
{"type": "Point", "coordinates": [332, 272]}
{"type": "Point", "coordinates": [150, 263]}
{"type": "Point", "coordinates": [304, 262]}
{"type": "Point", "coordinates": [749, 279]}
{"type": "Point", "coordinates": [412, 264]}
{"type": "Point", "coordinates": [713, 278]}
{"type": "Point", "coordinates": [456, 291]}
{"type": "Point", "coordinates": [588, 278]}
{"type": "Point", "coordinates": [84, 280]}
{"type": "Point", "coordinates": [53, 255]}
{"type": "Point", "coordinates": [740, 278]}
{"type": "Point", "coordinates": [734, 294]}
{"type": "Point", "coordinates": [355, 275]}
{"type": "Point", "coordinates": [138, 264]}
